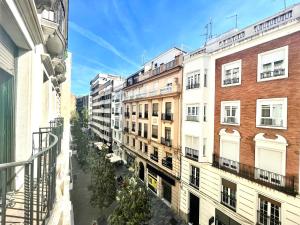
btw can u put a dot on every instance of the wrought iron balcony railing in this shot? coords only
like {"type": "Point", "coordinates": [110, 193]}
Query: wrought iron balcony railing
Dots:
{"type": "Point", "coordinates": [194, 118]}
{"type": "Point", "coordinates": [145, 134]}
{"type": "Point", "coordinates": [154, 157]}
{"type": "Point", "coordinates": [167, 116]}
{"type": "Point", "coordinates": [126, 130]}
{"type": "Point", "coordinates": [139, 133]}
{"type": "Point", "coordinates": [275, 73]}
{"type": "Point", "coordinates": [167, 162]}
{"type": "Point", "coordinates": [140, 115]}
{"type": "Point", "coordinates": [127, 114]}
{"type": "Point", "coordinates": [286, 184]}
{"type": "Point", "coordinates": [166, 142]}
{"type": "Point", "coordinates": [192, 86]}
{"type": "Point", "coordinates": [28, 188]}
{"type": "Point", "coordinates": [146, 115]}
{"type": "Point", "coordinates": [192, 153]}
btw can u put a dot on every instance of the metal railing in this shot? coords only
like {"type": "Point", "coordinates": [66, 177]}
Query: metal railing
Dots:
{"type": "Point", "coordinates": [275, 73]}
{"type": "Point", "coordinates": [126, 130]}
{"type": "Point", "coordinates": [154, 157]}
{"type": "Point", "coordinates": [167, 162]}
{"type": "Point", "coordinates": [167, 116]}
{"type": "Point", "coordinates": [146, 115]}
{"type": "Point", "coordinates": [194, 118]}
{"type": "Point", "coordinates": [192, 86]}
{"type": "Point", "coordinates": [28, 188]}
{"type": "Point", "coordinates": [127, 114]}
{"type": "Point", "coordinates": [145, 134]}
{"type": "Point", "coordinates": [192, 153]}
{"type": "Point", "coordinates": [286, 184]}
{"type": "Point", "coordinates": [166, 142]}
{"type": "Point", "coordinates": [231, 81]}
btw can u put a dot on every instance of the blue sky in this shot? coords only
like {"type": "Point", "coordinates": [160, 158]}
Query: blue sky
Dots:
{"type": "Point", "coordinates": [112, 36]}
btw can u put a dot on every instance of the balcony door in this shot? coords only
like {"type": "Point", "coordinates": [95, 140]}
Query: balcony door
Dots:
{"type": "Point", "coordinates": [168, 133]}
{"type": "Point", "coordinates": [168, 109]}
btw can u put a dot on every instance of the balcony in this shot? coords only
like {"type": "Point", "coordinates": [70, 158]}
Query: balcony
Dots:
{"type": "Point", "coordinates": [194, 181]}
{"type": "Point", "coordinates": [286, 184]}
{"type": "Point", "coordinates": [133, 113]}
{"type": "Point", "coordinates": [275, 73]}
{"type": "Point", "coordinates": [154, 136]}
{"type": "Point", "coordinates": [28, 188]}
{"type": "Point", "coordinates": [127, 114]}
{"type": "Point", "coordinates": [263, 218]}
{"type": "Point", "coordinates": [228, 200]}
{"type": "Point", "coordinates": [166, 90]}
{"type": "Point", "coordinates": [146, 115]}
{"type": "Point", "coordinates": [140, 115]}
{"type": "Point", "coordinates": [192, 86]}
{"type": "Point", "coordinates": [230, 120]}
{"type": "Point", "coordinates": [133, 129]}
{"type": "Point", "coordinates": [116, 127]}
{"type": "Point", "coordinates": [117, 113]}
{"type": "Point", "coordinates": [167, 116]}
{"type": "Point", "coordinates": [154, 157]}
{"type": "Point", "coordinates": [192, 154]}
{"type": "Point", "coordinates": [126, 130]}
{"type": "Point", "coordinates": [155, 113]}
{"type": "Point", "coordinates": [139, 133]}
{"type": "Point", "coordinates": [167, 142]}
{"type": "Point", "coordinates": [271, 122]}
{"type": "Point", "coordinates": [145, 134]}
{"type": "Point", "coordinates": [167, 162]}
{"type": "Point", "coordinates": [194, 118]}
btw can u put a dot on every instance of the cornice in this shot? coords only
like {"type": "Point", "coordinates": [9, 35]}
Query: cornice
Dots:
{"type": "Point", "coordinates": [28, 12]}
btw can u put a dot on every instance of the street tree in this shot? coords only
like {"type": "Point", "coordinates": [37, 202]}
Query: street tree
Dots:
{"type": "Point", "coordinates": [103, 182]}
{"type": "Point", "coordinates": [133, 204]}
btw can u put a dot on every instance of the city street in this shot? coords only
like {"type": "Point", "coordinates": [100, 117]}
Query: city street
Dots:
{"type": "Point", "coordinates": [85, 214]}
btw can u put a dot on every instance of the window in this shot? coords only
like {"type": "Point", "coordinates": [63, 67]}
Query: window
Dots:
{"type": "Point", "coordinates": [155, 109]}
{"type": "Point", "coordinates": [272, 113]}
{"type": "Point", "coordinates": [204, 112]}
{"type": "Point", "coordinates": [192, 113]}
{"type": "Point", "coordinates": [154, 131]}
{"type": "Point", "coordinates": [231, 73]}
{"type": "Point", "coordinates": [194, 177]}
{"type": "Point", "coordinates": [133, 127]}
{"type": "Point", "coordinates": [205, 78]}
{"type": "Point", "coordinates": [193, 80]}
{"type": "Point", "coordinates": [145, 148]}
{"type": "Point", "coordinates": [155, 151]}
{"type": "Point", "coordinates": [273, 64]}
{"type": "Point", "coordinates": [269, 211]}
{"type": "Point", "coordinates": [167, 191]}
{"type": "Point", "coordinates": [230, 112]}
{"type": "Point", "coordinates": [141, 145]}
{"type": "Point", "coordinates": [133, 142]}
{"type": "Point", "coordinates": [204, 147]}
{"type": "Point", "coordinates": [228, 194]}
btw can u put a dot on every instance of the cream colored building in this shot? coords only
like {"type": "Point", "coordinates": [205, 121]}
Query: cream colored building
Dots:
{"type": "Point", "coordinates": [152, 111]}
{"type": "Point", "coordinates": [35, 75]}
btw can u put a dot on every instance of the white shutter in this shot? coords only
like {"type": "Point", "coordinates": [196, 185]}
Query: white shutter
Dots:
{"type": "Point", "coordinates": [7, 53]}
{"type": "Point", "coordinates": [270, 160]}
{"type": "Point", "coordinates": [230, 150]}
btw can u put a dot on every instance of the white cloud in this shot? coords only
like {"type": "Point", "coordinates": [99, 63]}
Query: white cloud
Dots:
{"type": "Point", "coordinates": [100, 41]}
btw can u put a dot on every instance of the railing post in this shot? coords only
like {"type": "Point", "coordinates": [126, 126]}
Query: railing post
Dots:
{"type": "Point", "coordinates": [26, 195]}
{"type": "Point", "coordinates": [3, 196]}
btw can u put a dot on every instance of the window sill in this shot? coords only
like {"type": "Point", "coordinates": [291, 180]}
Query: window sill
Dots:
{"type": "Point", "coordinates": [230, 85]}
{"type": "Point", "coordinates": [271, 127]}
{"type": "Point", "coordinates": [231, 124]}
{"type": "Point", "coordinates": [271, 78]}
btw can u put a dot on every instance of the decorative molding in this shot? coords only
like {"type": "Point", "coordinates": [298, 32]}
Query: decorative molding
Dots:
{"type": "Point", "coordinates": [48, 64]}
{"type": "Point", "coordinates": [28, 12]}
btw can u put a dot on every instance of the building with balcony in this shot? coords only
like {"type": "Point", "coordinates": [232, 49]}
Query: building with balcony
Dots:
{"type": "Point", "coordinates": [152, 115]}
{"type": "Point", "coordinates": [117, 121]}
{"type": "Point", "coordinates": [35, 95]}
{"type": "Point", "coordinates": [101, 91]}
{"type": "Point", "coordinates": [82, 102]}
{"type": "Point", "coordinates": [253, 177]}
{"type": "Point", "coordinates": [197, 129]}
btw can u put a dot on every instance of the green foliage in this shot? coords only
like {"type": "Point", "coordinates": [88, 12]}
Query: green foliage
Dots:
{"type": "Point", "coordinates": [84, 117]}
{"type": "Point", "coordinates": [133, 205]}
{"type": "Point", "coordinates": [103, 183]}
{"type": "Point", "coordinates": [74, 117]}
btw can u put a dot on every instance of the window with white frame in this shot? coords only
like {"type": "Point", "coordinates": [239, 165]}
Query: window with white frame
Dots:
{"type": "Point", "coordinates": [271, 113]}
{"type": "Point", "coordinates": [273, 64]}
{"type": "Point", "coordinates": [193, 80]}
{"type": "Point", "coordinates": [272, 170]}
{"type": "Point", "coordinates": [269, 211]}
{"type": "Point", "coordinates": [204, 147]}
{"type": "Point", "coordinates": [204, 112]}
{"type": "Point", "coordinates": [192, 113]}
{"type": "Point", "coordinates": [192, 147]}
{"type": "Point", "coordinates": [231, 73]}
{"type": "Point", "coordinates": [230, 112]}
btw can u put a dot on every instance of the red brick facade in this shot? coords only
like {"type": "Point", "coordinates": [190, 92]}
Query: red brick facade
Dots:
{"type": "Point", "coordinates": [250, 90]}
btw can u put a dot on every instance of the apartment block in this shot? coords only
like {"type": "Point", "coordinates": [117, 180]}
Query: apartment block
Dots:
{"type": "Point", "coordinates": [152, 116]}
{"type": "Point", "coordinates": [101, 92]}
{"type": "Point", "coordinates": [117, 121]}
{"type": "Point", "coordinates": [35, 76]}
{"type": "Point", "coordinates": [253, 177]}
{"type": "Point", "coordinates": [82, 102]}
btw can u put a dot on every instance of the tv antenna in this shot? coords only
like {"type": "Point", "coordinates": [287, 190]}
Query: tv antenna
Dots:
{"type": "Point", "coordinates": [236, 19]}
{"type": "Point", "coordinates": [143, 56]}
{"type": "Point", "coordinates": [208, 31]}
